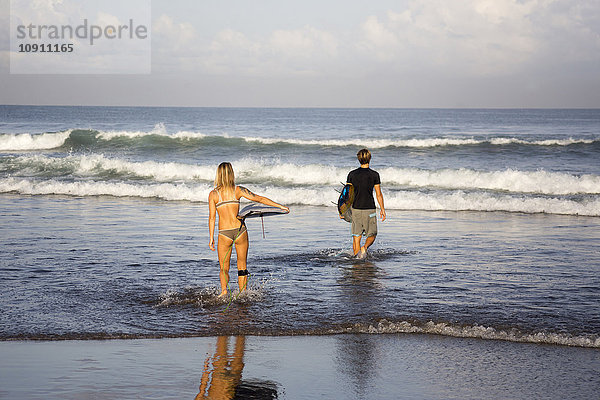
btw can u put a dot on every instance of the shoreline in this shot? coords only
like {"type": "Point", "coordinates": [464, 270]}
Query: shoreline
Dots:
{"type": "Point", "coordinates": [383, 327]}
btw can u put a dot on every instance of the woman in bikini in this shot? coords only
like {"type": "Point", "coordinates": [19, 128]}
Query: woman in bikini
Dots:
{"type": "Point", "coordinates": [225, 200]}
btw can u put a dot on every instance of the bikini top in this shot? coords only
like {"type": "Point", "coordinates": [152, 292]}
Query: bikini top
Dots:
{"type": "Point", "coordinates": [223, 202]}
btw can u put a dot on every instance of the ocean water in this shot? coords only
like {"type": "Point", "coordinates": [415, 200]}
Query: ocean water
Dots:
{"type": "Point", "coordinates": [492, 229]}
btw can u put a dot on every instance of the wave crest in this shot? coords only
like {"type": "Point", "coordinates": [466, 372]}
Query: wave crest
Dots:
{"type": "Point", "coordinates": [19, 142]}
{"type": "Point", "coordinates": [289, 174]}
{"type": "Point", "coordinates": [482, 201]}
{"type": "Point", "coordinates": [164, 191]}
{"type": "Point", "coordinates": [311, 196]}
{"type": "Point", "coordinates": [474, 331]}
{"type": "Point", "coordinates": [509, 180]}
{"type": "Point", "coordinates": [28, 141]}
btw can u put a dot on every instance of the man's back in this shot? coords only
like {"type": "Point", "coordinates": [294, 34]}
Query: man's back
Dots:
{"type": "Point", "coordinates": [363, 180]}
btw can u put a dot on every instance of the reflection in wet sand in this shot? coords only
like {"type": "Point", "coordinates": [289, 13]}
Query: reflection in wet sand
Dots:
{"type": "Point", "coordinates": [222, 376]}
{"type": "Point", "coordinates": [357, 354]}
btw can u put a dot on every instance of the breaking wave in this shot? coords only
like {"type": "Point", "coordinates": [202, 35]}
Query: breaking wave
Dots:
{"type": "Point", "coordinates": [28, 141]}
{"type": "Point", "coordinates": [312, 196]}
{"type": "Point", "coordinates": [164, 191]}
{"type": "Point", "coordinates": [159, 134]}
{"type": "Point", "coordinates": [472, 331]}
{"type": "Point", "coordinates": [289, 174]}
{"type": "Point", "coordinates": [207, 299]}
{"type": "Point", "coordinates": [421, 143]}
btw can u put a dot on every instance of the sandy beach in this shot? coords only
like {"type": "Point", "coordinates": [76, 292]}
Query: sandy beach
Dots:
{"type": "Point", "coordinates": [297, 367]}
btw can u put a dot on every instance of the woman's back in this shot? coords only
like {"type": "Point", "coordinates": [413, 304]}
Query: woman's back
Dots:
{"type": "Point", "coordinates": [228, 205]}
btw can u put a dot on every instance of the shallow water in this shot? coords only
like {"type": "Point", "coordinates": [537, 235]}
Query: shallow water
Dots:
{"type": "Point", "coordinates": [106, 267]}
{"type": "Point", "coordinates": [492, 227]}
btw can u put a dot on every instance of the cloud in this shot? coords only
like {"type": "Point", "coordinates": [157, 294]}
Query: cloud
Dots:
{"type": "Point", "coordinates": [569, 30]}
{"type": "Point", "coordinates": [379, 39]}
{"type": "Point", "coordinates": [481, 37]}
{"type": "Point", "coordinates": [40, 10]}
{"type": "Point", "coordinates": [498, 53]}
{"type": "Point", "coordinates": [171, 33]}
{"type": "Point", "coordinates": [176, 46]}
{"type": "Point", "coordinates": [232, 52]}
{"type": "Point", "coordinates": [306, 51]}
{"type": "Point", "coordinates": [461, 37]}
{"type": "Point", "coordinates": [282, 51]}
{"type": "Point", "coordinates": [231, 40]}
{"type": "Point", "coordinates": [305, 43]}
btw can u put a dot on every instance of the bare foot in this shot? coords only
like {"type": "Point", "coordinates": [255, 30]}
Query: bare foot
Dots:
{"type": "Point", "coordinates": [223, 294]}
{"type": "Point", "coordinates": [362, 254]}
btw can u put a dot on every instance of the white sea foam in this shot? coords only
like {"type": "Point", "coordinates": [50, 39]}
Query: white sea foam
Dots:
{"type": "Point", "coordinates": [158, 130]}
{"type": "Point", "coordinates": [250, 170]}
{"type": "Point", "coordinates": [208, 297]}
{"type": "Point", "coordinates": [98, 164]}
{"type": "Point", "coordinates": [288, 174]}
{"type": "Point", "coordinates": [476, 331]}
{"type": "Point", "coordinates": [542, 182]}
{"type": "Point", "coordinates": [46, 141]}
{"type": "Point", "coordinates": [482, 201]}
{"type": "Point", "coordinates": [547, 142]}
{"type": "Point", "coordinates": [418, 143]}
{"type": "Point", "coordinates": [9, 142]}
{"type": "Point", "coordinates": [371, 143]}
{"type": "Point", "coordinates": [27, 141]}
{"type": "Point", "coordinates": [165, 191]}
{"type": "Point", "coordinates": [400, 200]}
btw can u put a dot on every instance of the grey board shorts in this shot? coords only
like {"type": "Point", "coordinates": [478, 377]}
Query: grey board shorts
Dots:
{"type": "Point", "coordinates": [364, 222]}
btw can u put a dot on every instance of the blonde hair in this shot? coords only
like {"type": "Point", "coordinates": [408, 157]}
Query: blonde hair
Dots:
{"type": "Point", "coordinates": [364, 156]}
{"type": "Point", "coordinates": [225, 178]}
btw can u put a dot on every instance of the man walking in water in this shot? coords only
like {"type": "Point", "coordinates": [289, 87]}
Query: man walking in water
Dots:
{"type": "Point", "coordinates": [364, 213]}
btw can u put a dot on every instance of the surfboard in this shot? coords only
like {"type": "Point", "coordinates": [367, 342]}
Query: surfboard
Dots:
{"type": "Point", "coordinates": [259, 210]}
{"type": "Point", "coordinates": [344, 203]}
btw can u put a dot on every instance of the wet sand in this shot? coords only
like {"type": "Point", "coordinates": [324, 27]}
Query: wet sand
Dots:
{"type": "Point", "coordinates": [357, 366]}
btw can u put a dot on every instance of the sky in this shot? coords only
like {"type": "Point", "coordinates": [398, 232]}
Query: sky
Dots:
{"type": "Point", "coordinates": [333, 53]}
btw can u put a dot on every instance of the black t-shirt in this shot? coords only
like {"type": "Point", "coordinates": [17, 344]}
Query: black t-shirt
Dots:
{"type": "Point", "coordinates": [363, 180]}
